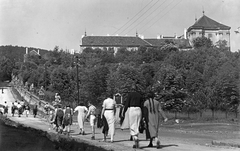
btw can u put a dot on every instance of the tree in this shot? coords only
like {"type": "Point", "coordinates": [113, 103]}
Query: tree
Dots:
{"type": "Point", "coordinates": [122, 79]}
{"type": "Point", "coordinates": [95, 84]}
{"type": "Point", "coordinates": [169, 87]}
{"type": "Point", "coordinates": [202, 42]}
{"type": "Point", "coordinates": [60, 83]}
{"type": "Point", "coordinates": [222, 45]}
{"type": "Point", "coordinates": [6, 67]}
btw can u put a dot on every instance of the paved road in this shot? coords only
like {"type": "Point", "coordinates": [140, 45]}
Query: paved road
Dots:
{"type": "Point", "coordinates": [171, 140]}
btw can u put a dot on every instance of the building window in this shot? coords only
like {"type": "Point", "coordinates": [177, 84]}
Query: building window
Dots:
{"type": "Point", "coordinates": [209, 35]}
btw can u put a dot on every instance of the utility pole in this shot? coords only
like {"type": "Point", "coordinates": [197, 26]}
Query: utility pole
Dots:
{"type": "Point", "coordinates": [77, 81]}
{"type": "Point", "coordinates": [45, 75]}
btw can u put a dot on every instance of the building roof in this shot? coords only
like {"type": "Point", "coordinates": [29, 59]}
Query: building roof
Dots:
{"type": "Point", "coordinates": [114, 41]}
{"type": "Point", "coordinates": [180, 43]}
{"type": "Point", "coordinates": [207, 23]}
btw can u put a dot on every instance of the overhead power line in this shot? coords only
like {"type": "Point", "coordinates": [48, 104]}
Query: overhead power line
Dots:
{"type": "Point", "coordinates": [157, 15]}
{"type": "Point", "coordinates": [133, 17]}
{"type": "Point", "coordinates": [144, 19]}
{"type": "Point", "coordinates": [139, 17]}
{"type": "Point", "coordinates": [162, 16]}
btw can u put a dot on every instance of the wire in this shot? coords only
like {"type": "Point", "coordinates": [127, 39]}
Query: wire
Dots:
{"type": "Point", "coordinates": [132, 17]}
{"type": "Point", "coordinates": [162, 16]}
{"type": "Point", "coordinates": [139, 17]}
{"type": "Point", "coordinates": [157, 14]}
{"type": "Point", "coordinates": [147, 16]}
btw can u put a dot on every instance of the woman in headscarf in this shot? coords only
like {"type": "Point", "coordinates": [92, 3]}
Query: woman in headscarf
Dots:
{"type": "Point", "coordinates": [109, 111]}
{"type": "Point", "coordinates": [151, 112]}
{"type": "Point", "coordinates": [82, 110]}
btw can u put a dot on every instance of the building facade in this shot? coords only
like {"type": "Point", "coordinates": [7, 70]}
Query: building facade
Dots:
{"type": "Point", "coordinates": [209, 28]}
{"type": "Point", "coordinates": [128, 42]}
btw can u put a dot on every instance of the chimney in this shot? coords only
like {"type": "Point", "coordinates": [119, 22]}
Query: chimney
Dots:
{"type": "Point", "coordinates": [72, 51]}
{"type": "Point", "coordinates": [185, 33]}
{"type": "Point", "coordinates": [175, 35]}
{"type": "Point", "coordinates": [26, 50]}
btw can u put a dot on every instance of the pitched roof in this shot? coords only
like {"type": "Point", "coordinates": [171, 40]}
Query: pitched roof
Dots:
{"type": "Point", "coordinates": [181, 43]}
{"type": "Point", "coordinates": [114, 41]}
{"type": "Point", "coordinates": [207, 23]}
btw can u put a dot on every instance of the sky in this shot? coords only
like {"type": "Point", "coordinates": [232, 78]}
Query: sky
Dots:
{"type": "Point", "coordinates": [48, 23]}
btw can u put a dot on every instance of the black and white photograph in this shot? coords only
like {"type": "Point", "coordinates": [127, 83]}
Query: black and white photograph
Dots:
{"type": "Point", "coordinates": [119, 75]}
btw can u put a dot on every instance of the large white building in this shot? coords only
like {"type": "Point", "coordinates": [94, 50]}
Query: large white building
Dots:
{"type": "Point", "coordinates": [209, 28]}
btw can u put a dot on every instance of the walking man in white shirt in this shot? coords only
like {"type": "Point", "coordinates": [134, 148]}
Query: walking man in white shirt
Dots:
{"type": "Point", "coordinates": [92, 114]}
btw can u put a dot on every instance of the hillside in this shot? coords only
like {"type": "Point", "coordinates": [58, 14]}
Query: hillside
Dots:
{"type": "Point", "coordinates": [17, 52]}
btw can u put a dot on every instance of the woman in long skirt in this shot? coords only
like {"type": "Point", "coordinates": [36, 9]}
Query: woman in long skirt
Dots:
{"type": "Point", "coordinates": [109, 111]}
{"type": "Point", "coordinates": [82, 110]}
{"type": "Point", "coordinates": [152, 110]}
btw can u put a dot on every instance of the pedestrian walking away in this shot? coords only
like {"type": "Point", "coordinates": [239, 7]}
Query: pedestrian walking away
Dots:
{"type": "Point", "coordinates": [92, 118]}
{"type": "Point", "coordinates": [67, 119]}
{"type": "Point", "coordinates": [20, 109]}
{"type": "Point", "coordinates": [59, 118]}
{"type": "Point", "coordinates": [109, 111]}
{"type": "Point", "coordinates": [134, 102]}
{"type": "Point", "coordinates": [13, 108]}
{"type": "Point", "coordinates": [35, 110]}
{"type": "Point", "coordinates": [27, 109]}
{"type": "Point", "coordinates": [82, 110]}
{"type": "Point", "coordinates": [151, 112]}
{"type": "Point", "coordinates": [5, 112]}
{"type": "Point", "coordinates": [51, 119]}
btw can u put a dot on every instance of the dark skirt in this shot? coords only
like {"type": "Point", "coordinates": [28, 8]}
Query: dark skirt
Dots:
{"type": "Point", "coordinates": [59, 121]}
{"type": "Point", "coordinates": [105, 125]}
{"type": "Point", "coordinates": [67, 120]}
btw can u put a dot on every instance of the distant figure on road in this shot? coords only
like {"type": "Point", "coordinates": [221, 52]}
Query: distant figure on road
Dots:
{"type": "Point", "coordinates": [27, 109]}
{"type": "Point", "coordinates": [35, 110]}
{"type": "Point", "coordinates": [19, 107]}
{"type": "Point", "coordinates": [82, 110]}
{"type": "Point", "coordinates": [57, 98]}
{"type": "Point", "coordinates": [2, 90]}
{"type": "Point", "coordinates": [92, 118]}
{"type": "Point", "coordinates": [46, 108]}
{"type": "Point", "coordinates": [13, 108]}
{"type": "Point", "coordinates": [151, 112]}
{"type": "Point", "coordinates": [134, 102]}
{"type": "Point", "coordinates": [109, 111]}
{"type": "Point", "coordinates": [5, 112]}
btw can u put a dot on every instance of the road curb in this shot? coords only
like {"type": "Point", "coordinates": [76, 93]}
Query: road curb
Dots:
{"type": "Point", "coordinates": [230, 143]}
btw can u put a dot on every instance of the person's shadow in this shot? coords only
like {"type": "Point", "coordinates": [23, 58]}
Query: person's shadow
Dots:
{"type": "Point", "coordinates": [161, 146]}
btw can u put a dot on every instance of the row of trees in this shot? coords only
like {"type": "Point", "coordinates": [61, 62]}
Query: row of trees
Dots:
{"type": "Point", "coordinates": [206, 77]}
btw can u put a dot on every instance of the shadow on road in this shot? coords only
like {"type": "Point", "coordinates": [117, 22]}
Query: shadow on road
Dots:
{"type": "Point", "coordinates": [161, 146]}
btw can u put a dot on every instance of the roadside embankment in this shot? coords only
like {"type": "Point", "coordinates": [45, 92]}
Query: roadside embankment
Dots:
{"type": "Point", "coordinates": [63, 142]}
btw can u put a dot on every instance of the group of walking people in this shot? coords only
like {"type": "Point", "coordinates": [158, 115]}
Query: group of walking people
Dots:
{"type": "Point", "coordinates": [142, 114]}
{"type": "Point", "coordinates": [138, 113]}
{"type": "Point", "coordinates": [18, 107]}
{"type": "Point", "coordinates": [60, 118]}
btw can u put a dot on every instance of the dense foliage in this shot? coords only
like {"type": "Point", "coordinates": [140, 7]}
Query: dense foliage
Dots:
{"type": "Point", "coordinates": [206, 77]}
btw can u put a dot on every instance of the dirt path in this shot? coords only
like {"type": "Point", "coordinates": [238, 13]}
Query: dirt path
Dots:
{"type": "Point", "coordinates": [173, 138]}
